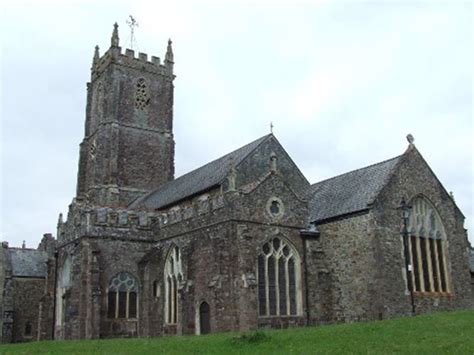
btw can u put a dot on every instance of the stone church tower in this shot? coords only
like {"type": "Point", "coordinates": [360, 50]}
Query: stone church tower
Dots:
{"type": "Point", "coordinates": [242, 242]}
{"type": "Point", "coordinates": [128, 146]}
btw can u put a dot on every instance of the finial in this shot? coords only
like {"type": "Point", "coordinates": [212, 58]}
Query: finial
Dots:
{"type": "Point", "coordinates": [410, 138]}
{"type": "Point", "coordinates": [23, 245]}
{"type": "Point", "coordinates": [169, 53]}
{"type": "Point", "coordinates": [271, 127]}
{"type": "Point", "coordinates": [451, 195]}
{"type": "Point", "coordinates": [96, 55]}
{"type": "Point", "coordinates": [114, 41]}
{"type": "Point", "coordinates": [60, 219]}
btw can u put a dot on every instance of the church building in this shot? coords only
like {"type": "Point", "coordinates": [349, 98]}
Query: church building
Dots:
{"type": "Point", "coordinates": [243, 242]}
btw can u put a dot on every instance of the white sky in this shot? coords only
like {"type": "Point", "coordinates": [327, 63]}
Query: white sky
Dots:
{"type": "Point", "coordinates": [342, 81]}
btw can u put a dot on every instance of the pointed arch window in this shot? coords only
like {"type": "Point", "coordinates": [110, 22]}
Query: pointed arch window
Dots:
{"type": "Point", "coordinates": [123, 297]}
{"type": "Point", "coordinates": [172, 278]}
{"type": "Point", "coordinates": [279, 279]}
{"type": "Point", "coordinates": [427, 248]}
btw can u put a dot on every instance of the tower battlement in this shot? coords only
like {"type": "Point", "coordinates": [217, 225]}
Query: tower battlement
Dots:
{"type": "Point", "coordinates": [128, 145]}
{"type": "Point", "coordinates": [130, 59]}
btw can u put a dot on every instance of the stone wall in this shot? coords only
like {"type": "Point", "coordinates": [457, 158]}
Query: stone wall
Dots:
{"type": "Point", "coordinates": [219, 250]}
{"type": "Point", "coordinates": [26, 301]}
{"type": "Point", "coordinates": [341, 269]}
{"type": "Point", "coordinates": [414, 178]}
{"type": "Point", "coordinates": [258, 163]}
{"type": "Point", "coordinates": [95, 261]}
{"type": "Point", "coordinates": [128, 146]}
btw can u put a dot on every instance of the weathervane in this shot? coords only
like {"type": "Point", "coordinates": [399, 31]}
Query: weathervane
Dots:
{"type": "Point", "coordinates": [132, 23]}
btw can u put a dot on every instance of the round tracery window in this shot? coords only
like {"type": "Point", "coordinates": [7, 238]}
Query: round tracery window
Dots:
{"type": "Point", "coordinates": [275, 207]}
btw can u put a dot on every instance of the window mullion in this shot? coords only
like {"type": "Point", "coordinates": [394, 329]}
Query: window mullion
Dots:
{"type": "Point", "coordinates": [445, 266]}
{"type": "Point", "coordinates": [436, 266]}
{"type": "Point", "coordinates": [127, 299]}
{"type": "Point", "coordinates": [277, 286]}
{"type": "Point", "coordinates": [267, 287]}
{"type": "Point", "coordinates": [287, 287]}
{"type": "Point", "coordinates": [420, 264]}
{"type": "Point", "coordinates": [411, 277]}
{"type": "Point", "coordinates": [116, 304]}
{"type": "Point", "coordinates": [430, 269]}
{"type": "Point", "coordinates": [172, 300]}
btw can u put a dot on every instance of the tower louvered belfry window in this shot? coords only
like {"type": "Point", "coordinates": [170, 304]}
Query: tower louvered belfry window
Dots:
{"type": "Point", "coordinates": [172, 278]}
{"type": "Point", "coordinates": [142, 97]}
{"type": "Point", "coordinates": [427, 248]}
{"type": "Point", "coordinates": [123, 296]}
{"type": "Point", "coordinates": [279, 279]}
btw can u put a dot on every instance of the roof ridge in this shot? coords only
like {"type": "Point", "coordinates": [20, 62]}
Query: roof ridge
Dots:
{"type": "Point", "coordinates": [352, 171]}
{"type": "Point", "coordinates": [257, 141]}
{"type": "Point", "coordinates": [221, 157]}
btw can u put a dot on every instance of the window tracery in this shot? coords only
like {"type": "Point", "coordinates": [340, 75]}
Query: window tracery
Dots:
{"type": "Point", "coordinates": [427, 248]}
{"type": "Point", "coordinates": [142, 97]}
{"type": "Point", "coordinates": [123, 296]}
{"type": "Point", "coordinates": [173, 277]}
{"type": "Point", "coordinates": [279, 281]}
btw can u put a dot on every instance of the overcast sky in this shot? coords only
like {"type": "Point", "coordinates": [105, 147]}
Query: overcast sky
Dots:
{"type": "Point", "coordinates": [342, 81]}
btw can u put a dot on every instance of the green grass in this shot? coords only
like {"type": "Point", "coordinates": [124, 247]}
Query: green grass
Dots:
{"type": "Point", "coordinates": [440, 333]}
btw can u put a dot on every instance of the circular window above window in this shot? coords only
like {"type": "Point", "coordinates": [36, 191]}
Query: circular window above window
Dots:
{"type": "Point", "coordinates": [275, 208]}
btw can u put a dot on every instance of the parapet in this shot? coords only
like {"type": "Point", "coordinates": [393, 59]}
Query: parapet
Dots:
{"type": "Point", "coordinates": [114, 55]}
{"type": "Point", "coordinates": [202, 205]}
{"type": "Point", "coordinates": [123, 218]}
{"type": "Point", "coordinates": [132, 60]}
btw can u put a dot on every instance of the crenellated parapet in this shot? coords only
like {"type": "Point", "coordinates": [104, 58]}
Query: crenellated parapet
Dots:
{"type": "Point", "coordinates": [95, 221]}
{"type": "Point", "coordinates": [202, 205]}
{"type": "Point", "coordinates": [130, 59]}
{"type": "Point", "coordinates": [120, 218]}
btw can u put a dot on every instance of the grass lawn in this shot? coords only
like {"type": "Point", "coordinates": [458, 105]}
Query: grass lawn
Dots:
{"type": "Point", "coordinates": [449, 332]}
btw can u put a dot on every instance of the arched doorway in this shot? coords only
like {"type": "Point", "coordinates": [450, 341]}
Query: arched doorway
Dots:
{"type": "Point", "coordinates": [205, 318]}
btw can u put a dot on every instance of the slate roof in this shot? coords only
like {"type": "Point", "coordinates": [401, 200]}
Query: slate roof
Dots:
{"type": "Point", "coordinates": [28, 262]}
{"type": "Point", "coordinates": [196, 181]}
{"type": "Point", "coordinates": [349, 192]}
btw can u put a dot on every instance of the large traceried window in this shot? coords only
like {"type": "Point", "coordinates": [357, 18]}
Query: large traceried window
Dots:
{"type": "Point", "coordinates": [123, 296]}
{"type": "Point", "coordinates": [427, 248]}
{"type": "Point", "coordinates": [173, 277]}
{"type": "Point", "coordinates": [279, 280]}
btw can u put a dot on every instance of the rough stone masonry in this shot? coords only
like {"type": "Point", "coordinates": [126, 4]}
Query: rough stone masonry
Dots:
{"type": "Point", "coordinates": [243, 242]}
